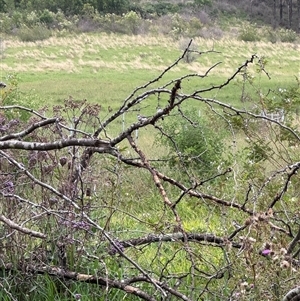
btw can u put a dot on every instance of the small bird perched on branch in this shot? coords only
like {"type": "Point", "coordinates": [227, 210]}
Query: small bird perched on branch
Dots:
{"type": "Point", "coordinates": [2, 85]}
{"type": "Point", "coordinates": [174, 91]}
{"type": "Point", "coordinates": [142, 118]}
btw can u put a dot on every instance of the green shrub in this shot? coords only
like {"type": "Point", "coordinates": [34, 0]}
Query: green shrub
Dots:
{"type": "Point", "coordinates": [195, 144]}
{"type": "Point", "coordinates": [249, 33]}
{"type": "Point", "coordinates": [47, 17]}
{"type": "Point", "coordinates": [287, 35]}
{"type": "Point", "coordinates": [272, 36]}
{"type": "Point", "coordinates": [179, 26]}
{"type": "Point", "coordinates": [2, 47]}
{"type": "Point", "coordinates": [132, 21]}
{"type": "Point", "coordinates": [183, 26]}
{"type": "Point", "coordinates": [88, 10]}
{"type": "Point", "coordinates": [31, 19]}
{"type": "Point", "coordinates": [6, 23]}
{"type": "Point", "coordinates": [110, 23]}
{"type": "Point", "coordinates": [17, 18]}
{"type": "Point", "coordinates": [129, 23]}
{"type": "Point", "coordinates": [202, 2]}
{"type": "Point", "coordinates": [194, 27]}
{"type": "Point", "coordinates": [36, 33]}
{"type": "Point", "coordinates": [12, 95]}
{"type": "Point", "coordinates": [114, 6]}
{"type": "Point", "coordinates": [160, 8]}
{"type": "Point", "coordinates": [283, 35]}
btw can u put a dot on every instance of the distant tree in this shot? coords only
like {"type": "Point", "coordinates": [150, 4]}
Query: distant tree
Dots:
{"type": "Point", "coordinates": [298, 16]}
{"type": "Point", "coordinates": [281, 12]}
{"type": "Point", "coordinates": [116, 6]}
{"type": "Point", "coordinates": [9, 5]}
{"type": "Point", "coordinates": [202, 2]}
{"type": "Point", "coordinates": [274, 14]}
{"type": "Point", "coordinates": [18, 3]}
{"type": "Point", "coordinates": [3, 7]}
{"type": "Point", "coordinates": [290, 13]}
{"type": "Point", "coordinates": [69, 7]}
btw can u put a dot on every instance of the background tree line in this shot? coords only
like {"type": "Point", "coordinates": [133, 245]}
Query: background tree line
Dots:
{"type": "Point", "coordinates": [285, 13]}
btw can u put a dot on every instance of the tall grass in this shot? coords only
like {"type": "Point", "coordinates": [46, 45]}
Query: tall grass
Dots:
{"type": "Point", "coordinates": [105, 68]}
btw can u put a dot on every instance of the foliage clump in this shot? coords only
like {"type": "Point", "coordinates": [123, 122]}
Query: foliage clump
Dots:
{"type": "Point", "coordinates": [32, 34]}
{"type": "Point", "coordinates": [287, 35]}
{"type": "Point", "coordinates": [249, 33]}
{"type": "Point", "coordinates": [194, 143]}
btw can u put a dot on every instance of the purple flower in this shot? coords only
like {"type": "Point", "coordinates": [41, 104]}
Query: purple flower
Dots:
{"type": "Point", "coordinates": [8, 187]}
{"type": "Point", "coordinates": [266, 252]}
{"type": "Point", "coordinates": [81, 225]}
{"type": "Point", "coordinates": [13, 122]}
{"type": "Point", "coordinates": [116, 247]}
{"type": "Point", "coordinates": [66, 223]}
{"type": "Point", "coordinates": [3, 128]}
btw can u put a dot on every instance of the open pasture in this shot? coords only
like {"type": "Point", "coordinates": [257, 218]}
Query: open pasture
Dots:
{"type": "Point", "coordinates": [105, 68]}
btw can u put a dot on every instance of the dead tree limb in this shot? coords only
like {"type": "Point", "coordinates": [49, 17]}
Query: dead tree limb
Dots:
{"type": "Point", "coordinates": [19, 228]}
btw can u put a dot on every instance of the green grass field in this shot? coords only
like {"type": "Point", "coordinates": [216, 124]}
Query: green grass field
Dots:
{"type": "Point", "coordinates": [106, 68]}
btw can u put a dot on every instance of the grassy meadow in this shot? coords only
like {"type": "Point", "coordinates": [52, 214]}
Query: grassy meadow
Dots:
{"type": "Point", "coordinates": [105, 68]}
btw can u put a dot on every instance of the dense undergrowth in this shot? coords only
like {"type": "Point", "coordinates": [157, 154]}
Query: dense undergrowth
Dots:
{"type": "Point", "coordinates": [207, 19]}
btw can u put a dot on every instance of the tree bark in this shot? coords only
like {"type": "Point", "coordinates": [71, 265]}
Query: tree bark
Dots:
{"type": "Point", "coordinates": [290, 13]}
{"type": "Point", "coordinates": [280, 11]}
{"type": "Point", "coordinates": [298, 15]}
{"type": "Point", "coordinates": [274, 15]}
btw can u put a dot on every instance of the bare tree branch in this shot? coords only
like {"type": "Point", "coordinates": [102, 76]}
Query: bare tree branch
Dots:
{"type": "Point", "coordinates": [29, 110]}
{"type": "Point", "coordinates": [294, 242]}
{"type": "Point", "coordinates": [16, 144]}
{"type": "Point", "coordinates": [19, 228]}
{"type": "Point", "coordinates": [29, 130]}
{"type": "Point", "coordinates": [103, 281]}
{"type": "Point", "coordinates": [292, 295]}
{"type": "Point", "coordinates": [178, 236]}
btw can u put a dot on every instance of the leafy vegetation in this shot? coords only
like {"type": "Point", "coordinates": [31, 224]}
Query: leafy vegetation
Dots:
{"type": "Point", "coordinates": [191, 19]}
{"type": "Point", "coordinates": [194, 143]}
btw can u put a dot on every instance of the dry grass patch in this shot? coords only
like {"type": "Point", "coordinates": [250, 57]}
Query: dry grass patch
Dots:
{"type": "Point", "coordinates": [87, 51]}
{"type": "Point", "coordinates": [72, 53]}
{"type": "Point", "coordinates": [124, 62]}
